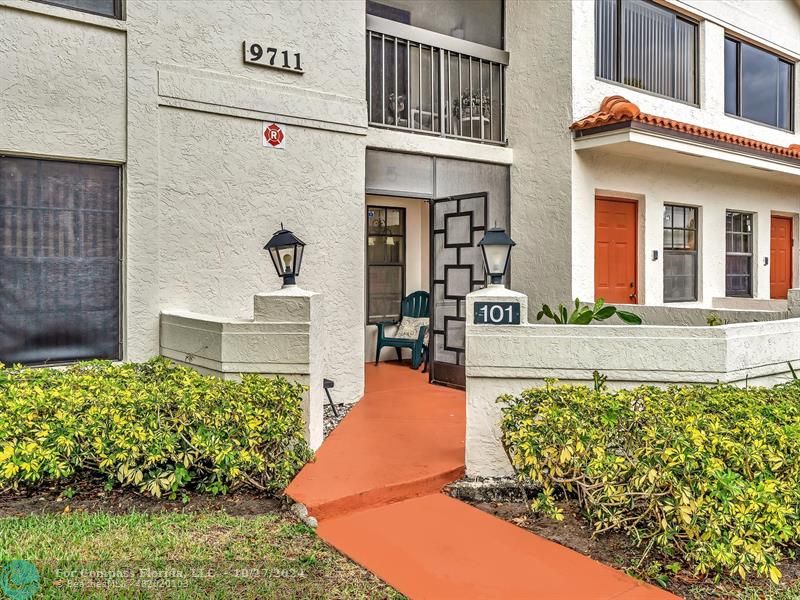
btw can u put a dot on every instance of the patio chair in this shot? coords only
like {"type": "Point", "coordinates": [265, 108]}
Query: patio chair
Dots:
{"type": "Point", "coordinates": [414, 306]}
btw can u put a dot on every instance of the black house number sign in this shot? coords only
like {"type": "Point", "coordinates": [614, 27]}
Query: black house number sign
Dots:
{"type": "Point", "coordinates": [497, 313]}
{"type": "Point", "coordinates": [276, 58]}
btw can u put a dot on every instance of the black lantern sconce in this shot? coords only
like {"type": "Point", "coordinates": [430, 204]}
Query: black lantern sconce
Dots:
{"type": "Point", "coordinates": [286, 251]}
{"type": "Point", "coordinates": [496, 249]}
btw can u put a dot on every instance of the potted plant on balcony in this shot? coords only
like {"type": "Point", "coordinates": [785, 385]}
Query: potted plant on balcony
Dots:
{"type": "Point", "coordinates": [471, 107]}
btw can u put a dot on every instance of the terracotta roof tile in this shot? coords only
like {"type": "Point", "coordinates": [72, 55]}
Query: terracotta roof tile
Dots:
{"type": "Point", "coordinates": [616, 109]}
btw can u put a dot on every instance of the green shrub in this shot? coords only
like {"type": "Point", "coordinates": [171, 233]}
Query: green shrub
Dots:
{"type": "Point", "coordinates": [584, 314]}
{"type": "Point", "coordinates": [156, 426]}
{"type": "Point", "coordinates": [710, 475]}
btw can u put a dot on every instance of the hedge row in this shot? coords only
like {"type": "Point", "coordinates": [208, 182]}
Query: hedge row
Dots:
{"type": "Point", "coordinates": [710, 475]}
{"type": "Point", "coordinates": [156, 426]}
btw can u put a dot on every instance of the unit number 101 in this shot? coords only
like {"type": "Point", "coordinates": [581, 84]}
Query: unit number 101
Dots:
{"type": "Point", "coordinates": [272, 57]}
{"type": "Point", "coordinates": [497, 313]}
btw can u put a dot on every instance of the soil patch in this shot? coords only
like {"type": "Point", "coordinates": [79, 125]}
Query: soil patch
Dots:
{"type": "Point", "coordinates": [90, 497]}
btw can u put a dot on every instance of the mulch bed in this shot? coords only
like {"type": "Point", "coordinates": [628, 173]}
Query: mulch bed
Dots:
{"type": "Point", "coordinates": [92, 497]}
{"type": "Point", "coordinates": [617, 550]}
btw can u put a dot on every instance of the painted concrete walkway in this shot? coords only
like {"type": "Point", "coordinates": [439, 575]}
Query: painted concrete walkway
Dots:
{"type": "Point", "coordinates": [374, 487]}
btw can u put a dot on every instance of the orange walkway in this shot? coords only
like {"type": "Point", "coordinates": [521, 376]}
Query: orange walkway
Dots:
{"type": "Point", "coordinates": [374, 487]}
{"type": "Point", "coordinates": [405, 438]}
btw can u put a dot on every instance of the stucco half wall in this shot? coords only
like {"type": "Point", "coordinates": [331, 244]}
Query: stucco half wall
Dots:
{"type": "Point", "coordinates": [507, 359]}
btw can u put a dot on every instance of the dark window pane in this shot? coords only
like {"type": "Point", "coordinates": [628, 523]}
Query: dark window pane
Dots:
{"type": "Point", "coordinates": [606, 47]}
{"type": "Point", "coordinates": [59, 261]}
{"type": "Point", "coordinates": [759, 85]}
{"type": "Point", "coordinates": [108, 8]}
{"type": "Point", "coordinates": [784, 95]}
{"type": "Point", "coordinates": [680, 253]}
{"type": "Point", "coordinates": [679, 217]}
{"type": "Point", "coordinates": [385, 262]}
{"type": "Point", "coordinates": [680, 276]}
{"type": "Point", "coordinates": [738, 275]}
{"type": "Point", "coordinates": [385, 293]}
{"type": "Point", "coordinates": [739, 259]}
{"type": "Point", "coordinates": [685, 64]}
{"type": "Point", "coordinates": [667, 215]}
{"type": "Point", "coordinates": [646, 46]}
{"type": "Point", "coordinates": [731, 74]}
{"type": "Point", "coordinates": [691, 218]}
{"type": "Point", "coordinates": [667, 239]}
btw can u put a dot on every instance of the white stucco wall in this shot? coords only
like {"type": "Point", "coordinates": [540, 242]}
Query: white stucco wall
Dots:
{"type": "Point", "coordinates": [166, 93]}
{"type": "Point", "coordinates": [222, 194]}
{"type": "Point", "coordinates": [683, 181]}
{"type": "Point", "coordinates": [509, 359]}
{"type": "Point", "coordinates": [772, 23]}
{"type": "Point", "coordinates": [62, 83]}
{"type": "Point", "coordinates": [655, 178]}
{"type": "Point", "coordinates": [539, 95]}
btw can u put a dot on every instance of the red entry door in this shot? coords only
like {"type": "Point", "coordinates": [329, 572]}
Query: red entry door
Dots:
{"type": "Point", "coordinates": [780, 258]}
{"type": "Point", "coordinates": [615, 251]}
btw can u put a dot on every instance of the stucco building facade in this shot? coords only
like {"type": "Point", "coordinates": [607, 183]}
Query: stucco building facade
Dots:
{"type": "Point", "coordinates": [399, 123]}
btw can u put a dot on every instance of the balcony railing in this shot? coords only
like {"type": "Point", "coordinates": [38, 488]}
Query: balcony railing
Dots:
{"type": "Point", "coordinates": [426, 82]}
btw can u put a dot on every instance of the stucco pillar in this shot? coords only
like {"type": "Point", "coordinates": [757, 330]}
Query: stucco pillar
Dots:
{"type": "Point", "coordinates": [293, 304]}
{"type": "Point", "coordinates": [484, 453]}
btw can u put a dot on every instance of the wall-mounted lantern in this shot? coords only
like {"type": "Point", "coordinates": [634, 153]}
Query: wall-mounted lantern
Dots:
{"type": "Point", "coordinates": [496, 249]}
{"type": "Point", "coordinates": [286, 251]}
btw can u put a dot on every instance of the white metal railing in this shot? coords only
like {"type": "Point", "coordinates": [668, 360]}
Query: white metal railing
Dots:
{"type": "Point", "coordinates": [426, 82]}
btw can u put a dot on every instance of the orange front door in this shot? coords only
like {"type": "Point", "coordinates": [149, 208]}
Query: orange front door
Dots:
{"type": "Point", "coordinates": [615, 251]}
{"type": "Point", "coordinates": [780, 257]}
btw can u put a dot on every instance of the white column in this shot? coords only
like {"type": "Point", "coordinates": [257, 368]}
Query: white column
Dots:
{"type": "Point", "coordinates": [293, 304]}
{"type": "Point", "coordinates": [484, 452]}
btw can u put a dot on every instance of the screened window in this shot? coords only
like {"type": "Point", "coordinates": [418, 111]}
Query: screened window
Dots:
{"type": "Point", "coordinates": [739, 254]}
{"type": "Point", "coordinates": [646, 46]}
{"type": "Point", "coordinates": [758, 85]}
{"type": "Point", "coordinates": [107, 8]}
{"type": "Point", "coordinates": [680, 253]}
{"type": "Point", "coordinates": [386, 271]}
{"type": "Point", "coordinates": [59, 261]}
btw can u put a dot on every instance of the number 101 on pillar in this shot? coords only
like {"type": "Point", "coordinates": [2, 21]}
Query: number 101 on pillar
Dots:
{"type": "Point", "coordinates": [496, 313]}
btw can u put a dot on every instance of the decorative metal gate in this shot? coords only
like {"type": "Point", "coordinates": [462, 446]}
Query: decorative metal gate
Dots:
{"type": "Point", "coordinates": [457, 225]}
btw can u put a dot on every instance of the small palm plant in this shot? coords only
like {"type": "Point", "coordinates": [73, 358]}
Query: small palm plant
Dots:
{"type": "Point", "coordinates": [583, 314]}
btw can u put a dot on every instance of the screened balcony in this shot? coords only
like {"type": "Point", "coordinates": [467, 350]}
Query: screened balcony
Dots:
{"type": "Point", "coordinates": [426, 82]}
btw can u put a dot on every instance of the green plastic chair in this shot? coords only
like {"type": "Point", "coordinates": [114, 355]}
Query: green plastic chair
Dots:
{"type": "Point", "coordinates": [413, 305]}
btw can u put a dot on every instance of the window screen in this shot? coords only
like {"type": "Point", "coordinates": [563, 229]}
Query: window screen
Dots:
{"type": "Point", "coordinates": [739, 254]}
{"type": "Point", "coordinates": [646, 46]}
{"type": "Point", "coordinates": [680, 253]}
{"type": "Point", "coordinates": [386, 271]}
{"type": "Point", "coordinates": [59, 261]}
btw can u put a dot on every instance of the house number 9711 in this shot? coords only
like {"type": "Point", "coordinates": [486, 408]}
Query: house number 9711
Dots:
{"type": "Point", "coordinates": [257, 54]}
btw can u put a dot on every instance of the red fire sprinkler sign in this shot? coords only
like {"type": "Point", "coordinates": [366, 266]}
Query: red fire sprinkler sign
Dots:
{"type": "Point", "coordinates": [273, 135]}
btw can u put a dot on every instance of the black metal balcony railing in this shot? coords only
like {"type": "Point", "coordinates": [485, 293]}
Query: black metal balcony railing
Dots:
{"type": "Point", "coordinates": [426, 82]}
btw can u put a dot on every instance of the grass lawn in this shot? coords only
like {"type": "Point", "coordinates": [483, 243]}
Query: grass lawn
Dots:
{"type": "Point", "coordinates": [197, 555]}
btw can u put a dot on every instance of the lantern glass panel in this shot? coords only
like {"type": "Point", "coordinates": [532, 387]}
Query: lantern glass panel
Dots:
{"type": "Point", "coordinates": [298, 259]}
{"type": "Point", "coordinates": [496, 257]}
{"type": "Point", "coordinates": [276, 260]}
{"type": "Point", "coordinates": [286, 259]}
